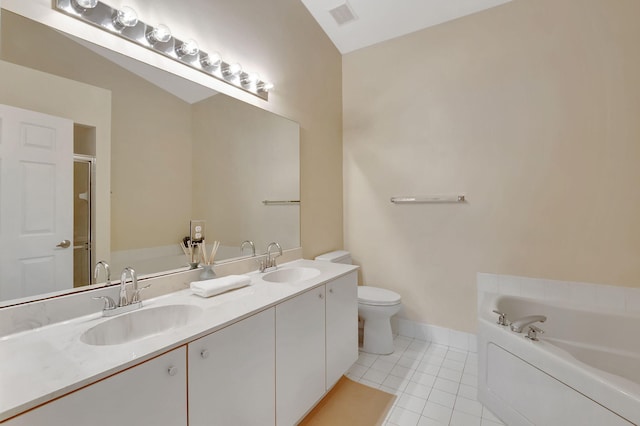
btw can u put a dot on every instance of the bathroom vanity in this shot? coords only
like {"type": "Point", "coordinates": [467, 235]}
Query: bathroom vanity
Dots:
{"type": "Point", "coordinates": [263, 354]}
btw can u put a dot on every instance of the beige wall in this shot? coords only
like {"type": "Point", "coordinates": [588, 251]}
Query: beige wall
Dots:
{"type": "Point", "coordinates": [280, 40]}
{"type": "Point", "coordinates": [531, 110]}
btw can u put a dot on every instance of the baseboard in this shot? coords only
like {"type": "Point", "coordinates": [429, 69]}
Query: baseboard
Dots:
{"type": "Point", "coordinates": [435, 334]}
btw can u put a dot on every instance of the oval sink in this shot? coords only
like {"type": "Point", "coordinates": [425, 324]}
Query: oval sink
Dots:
{"type": "Point", "coordinates": [140, 324]}
{"type": "Point", "coordinates": [291, 275]}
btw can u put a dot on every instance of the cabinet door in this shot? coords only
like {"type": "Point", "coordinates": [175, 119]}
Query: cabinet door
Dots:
{"type": "Point", "coordinates": [300, 362]}
{"type": "Point", "coordinates": [342, 326]}
{"type": "Point", "coordinates": [232, 374]}
{"type": "Point", "coordinates": [152, 393]}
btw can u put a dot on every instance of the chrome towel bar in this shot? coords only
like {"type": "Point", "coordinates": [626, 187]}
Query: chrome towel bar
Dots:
{"type": "Point", "coordinates": [428, 199]}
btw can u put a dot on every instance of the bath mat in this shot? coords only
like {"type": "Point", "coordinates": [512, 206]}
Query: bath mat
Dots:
{"type": "Point", "coordinates": [350, 403]}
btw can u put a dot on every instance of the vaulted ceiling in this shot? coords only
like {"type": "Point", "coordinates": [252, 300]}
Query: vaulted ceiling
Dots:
{"type": "Point", "coordinates": [375, 21]}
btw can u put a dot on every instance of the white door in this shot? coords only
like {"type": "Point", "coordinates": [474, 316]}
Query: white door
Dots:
{"type": "Point", "coordinates": [36, 203]}
{"type": "Point", "coordinates": [341, 326]}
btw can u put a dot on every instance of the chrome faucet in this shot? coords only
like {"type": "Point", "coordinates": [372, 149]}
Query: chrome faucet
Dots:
{"type": "Point", "coordinates": [125, 304]}
{"type": "Point", "coordinates": [270, 262]}
{"type": "Point", "coordinates": [124, 299]}
{"type": "Point", "coordinates": [250, 243]}
{"type": "Point", "coordinates": [107, 271]}
{"type": "Point", "coordinates": [521, 323]}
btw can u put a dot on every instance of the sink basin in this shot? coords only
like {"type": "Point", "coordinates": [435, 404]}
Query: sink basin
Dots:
{"type": "Point", "coordinates": [140, 324]}
{"type": "Point", "coordinates": [291, 275]}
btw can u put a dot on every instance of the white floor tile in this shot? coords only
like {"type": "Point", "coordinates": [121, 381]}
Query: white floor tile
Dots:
{"type": "Point", "coordinates": [383, 366]}
{"type": "Point", "coordinates": [463, 419]}
{"type": "Point", "coordinates": [416, 389]}
{"type": "Point", "coordinates": [456, 356]}
{"type": "Point", "coordinates": [437, 412]}
{"type": "Point", "coordinates": [403, 417]}
{"type": "Point", "coordinates": [426, 421]}
{"type": "Point", "coordinates": [468, 392]}
{"type": "Point", "coordinates": [400, 371]}
{"type": "Point", "coordinates": [453, 365]}
{"type": "Point", "coordinates": [442, 398]}
{"type": "Point", "coordinates": [394, 382]}
{"type": "Point", "coordinates": [366, 359]}
{"type": "Point", "coordinates": [423, 378]}
{"type": "Point", "coordinates": [445, 385]}
{"type": "Point", "coordinates": [435, 385]}
{"type": "Point", "coordinates": [411, 403]}
{"type": "Point", "coordinates": [374, 376]}
{"type": "Point", "coordinates": [357, 370]}
{"type": "Point", "coordinates": [468, 406]}
{"type": "Point", "coordinates": [449, 374]}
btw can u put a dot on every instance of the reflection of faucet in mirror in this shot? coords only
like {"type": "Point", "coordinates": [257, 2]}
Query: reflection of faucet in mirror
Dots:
{"type": "Point", "coordinates": [250, 243]}
{"type": "Point", "coordinates": [107, 271]}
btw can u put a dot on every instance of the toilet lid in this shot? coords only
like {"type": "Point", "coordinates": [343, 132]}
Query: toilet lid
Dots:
{"type": "Point", "coordinates": [377, 296]}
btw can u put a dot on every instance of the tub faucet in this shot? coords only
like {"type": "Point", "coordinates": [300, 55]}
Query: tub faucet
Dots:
{"type": "Point", "coordinates": [107, 271]}
{"type": "Point", "coordinates": [521, 323]}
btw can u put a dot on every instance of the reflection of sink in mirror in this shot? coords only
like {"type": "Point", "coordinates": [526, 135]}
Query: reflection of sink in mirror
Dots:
{"type": "Point", "coordinates": [291, 275]}
{"type": "Point", "coordinates": [140, 324]}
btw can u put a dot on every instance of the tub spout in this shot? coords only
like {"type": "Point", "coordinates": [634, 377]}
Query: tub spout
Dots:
{"type": "Point", "coordinates": [521, 323]}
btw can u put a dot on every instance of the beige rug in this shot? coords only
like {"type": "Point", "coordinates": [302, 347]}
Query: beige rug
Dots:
{"type": "Point", "coordinates": [350, 404]}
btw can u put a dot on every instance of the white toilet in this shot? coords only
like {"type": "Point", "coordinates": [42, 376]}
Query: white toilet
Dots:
{"type": "Point", "coordinates": [376, 306]}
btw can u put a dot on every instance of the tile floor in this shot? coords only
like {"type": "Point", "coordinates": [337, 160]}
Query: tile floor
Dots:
{"type": "Point", "coordinates": [435, 384]}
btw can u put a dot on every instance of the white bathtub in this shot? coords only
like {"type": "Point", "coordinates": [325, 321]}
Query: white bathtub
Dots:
{"type": "Point", "coordinates": [584, 370]}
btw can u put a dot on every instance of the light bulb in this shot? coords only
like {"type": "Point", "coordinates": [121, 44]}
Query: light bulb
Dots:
{"type": "Point", "coordinates": [250, 79]}
{"type": "Point", "coordinates": [188, 48]}
{"type": "Point", "coordinates": [125, 17]}
{"type": "Point", "coordinates": [233, 70]}
{"type": "Point", "coordinates": [211, 60]}
{"type": "Point", "coordinates": [160, 34]}
{"type": "Point", "coordinates": [265, 86]}
{"type": "Point", "coordinates": [82, 5]}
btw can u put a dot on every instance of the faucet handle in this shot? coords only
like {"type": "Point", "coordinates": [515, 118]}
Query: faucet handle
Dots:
{"type": "Point", "coordinates": [533, 332]}
{"type": "Point", "coordinates": [136, 293]}
{"type": "Point", "coordinates": [502, 318]}
{"type": "Point", "coordinates": [109, 304]}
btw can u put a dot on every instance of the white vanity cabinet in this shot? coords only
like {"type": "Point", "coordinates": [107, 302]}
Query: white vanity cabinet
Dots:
{"type": "Point", "coordinates": [342, 326]}
{"type": "Point", "coordinates": [300, 359]}
{"type": "Point", "coordinates": [316, 343]}
{"type": "Point", "coordinates": [152, 393]}
{"type": "Point", "coordinates": [232, 374]}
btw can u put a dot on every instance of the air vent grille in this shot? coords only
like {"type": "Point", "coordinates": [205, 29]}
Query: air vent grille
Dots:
{"type": "Point", "coordinates": [343, 14]}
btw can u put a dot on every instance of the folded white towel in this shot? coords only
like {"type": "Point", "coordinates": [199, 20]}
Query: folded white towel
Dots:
{"type": "Point", "coordinates": [208, 288]}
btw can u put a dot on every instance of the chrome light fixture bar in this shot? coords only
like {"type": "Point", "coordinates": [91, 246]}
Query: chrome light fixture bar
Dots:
{"type": "Point", "coordinates": [124, 23]}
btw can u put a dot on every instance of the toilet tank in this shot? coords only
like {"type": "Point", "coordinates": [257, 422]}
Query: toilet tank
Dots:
{"type": "Point", "coordinates": [338, 256]}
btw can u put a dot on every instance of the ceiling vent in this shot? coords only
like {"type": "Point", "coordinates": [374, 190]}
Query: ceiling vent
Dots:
{"type": "Point", "coordinates": [343, 14]}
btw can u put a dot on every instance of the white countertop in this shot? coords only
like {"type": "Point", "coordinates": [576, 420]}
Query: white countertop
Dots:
{"type": "Point", "coordinates": [42, 364]}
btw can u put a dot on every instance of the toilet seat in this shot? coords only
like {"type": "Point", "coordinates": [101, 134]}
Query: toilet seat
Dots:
{"type": "Point", "coordinates": [375, 296]}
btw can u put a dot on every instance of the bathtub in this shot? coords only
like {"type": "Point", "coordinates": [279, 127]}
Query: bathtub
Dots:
{"type": "Point", "coordinates": [584, 370]}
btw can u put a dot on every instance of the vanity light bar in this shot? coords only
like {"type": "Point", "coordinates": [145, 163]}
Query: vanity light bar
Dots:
{"type": "Point", "coordinates": [125, 23]}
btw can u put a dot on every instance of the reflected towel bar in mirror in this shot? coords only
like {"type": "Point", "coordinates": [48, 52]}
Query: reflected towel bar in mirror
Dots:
{"type": "Point", "coordinates": [280, 202]}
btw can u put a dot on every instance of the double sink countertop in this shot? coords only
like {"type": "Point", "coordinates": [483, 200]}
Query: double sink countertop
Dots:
{"type": "Point", "coordinates": [45, 363]}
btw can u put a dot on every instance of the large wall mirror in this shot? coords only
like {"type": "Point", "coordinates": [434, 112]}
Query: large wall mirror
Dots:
{"type": "Point", "coordinates": [174, 150]}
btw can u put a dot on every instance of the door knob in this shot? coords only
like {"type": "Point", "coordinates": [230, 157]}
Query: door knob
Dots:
{"type": "Point", "coordinates": [64, 244]}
